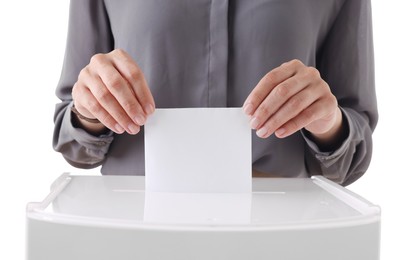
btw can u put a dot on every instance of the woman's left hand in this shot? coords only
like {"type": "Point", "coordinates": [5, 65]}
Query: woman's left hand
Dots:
{"type": "Point", "coordinates": [291, 97]}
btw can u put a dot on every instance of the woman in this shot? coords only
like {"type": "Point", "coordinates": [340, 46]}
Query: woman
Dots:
{"type": "Point", "coordinates": [302, 70]}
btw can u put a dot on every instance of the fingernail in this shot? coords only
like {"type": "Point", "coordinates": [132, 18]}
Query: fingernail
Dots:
{"type": "Point", "coordinates": [140, 120]}
{"type": "Point", "coordinates": [261, 132]}
{"type": "Point", "coordinates": [149, 109]}
{"type": "Point", "coordinates": [134, 129]}
{"type": "Point", "coordinates": [254, 123]}
{"type": "Point", "coordinates": [119, 129]}
{"type": "Point", "coordinates": [248, 109]}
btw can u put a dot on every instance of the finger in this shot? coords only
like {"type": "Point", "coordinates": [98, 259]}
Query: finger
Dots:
{"type": "Point", "coordinates": [269, 82]}
{"type": "Point", "coordinates": [123, 93]}
{"type": "Point", "coordinates": [119, 87]}
{"type": "Point", "coordinates": [275, 100]}
{"type": "Point", "coordinates": [289, 110]}
{"type": "Point", "coordinates": [310, 114]}
{"type": "Point", "coordinates": [84, 99]}
{"type": "Point", "coordinates": [133, 74]}
{"type": "Point", "coordinates": [110, 104]}
{"type": "Point", "coordinates": [327, 120]}
{"type": "Point", "coordinates": [78, 91]}
{"type": "Point", "coordinates": [264, 87]}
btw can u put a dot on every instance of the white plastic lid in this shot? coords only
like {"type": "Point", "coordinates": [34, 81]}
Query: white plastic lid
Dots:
{"type": "Point", "coordinates": [275, 203]}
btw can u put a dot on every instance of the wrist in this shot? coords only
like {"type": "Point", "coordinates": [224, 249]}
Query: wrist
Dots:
{"type": "Point", "coordinates": [82, 117]}
{"type": "Point", "coordinates": [91, 125]}
{"type": "Point", "coordinates": [333, 138]}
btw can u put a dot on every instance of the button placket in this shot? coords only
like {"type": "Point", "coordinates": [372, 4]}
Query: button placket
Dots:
{"type": "Point", "coordinates": [218, 54]}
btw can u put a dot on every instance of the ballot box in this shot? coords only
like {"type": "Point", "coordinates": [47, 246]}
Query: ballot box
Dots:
{"type": "Point", "coordinates": [113, 217]}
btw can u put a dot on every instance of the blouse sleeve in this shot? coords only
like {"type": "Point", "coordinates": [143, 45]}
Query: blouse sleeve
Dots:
{"type": "Point", "coordinates": [88, 33]}
{"type": "Point", "coordinates": [345, 61]}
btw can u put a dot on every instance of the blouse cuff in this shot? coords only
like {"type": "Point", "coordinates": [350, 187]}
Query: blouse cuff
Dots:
{"type": "Point", "coordinates": [99, 143]}
{"type": "Point", "coordinates": [329, 158]}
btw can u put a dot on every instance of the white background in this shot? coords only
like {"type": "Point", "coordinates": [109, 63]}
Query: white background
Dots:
{"type": "Point", "coordinates": [32, 43]}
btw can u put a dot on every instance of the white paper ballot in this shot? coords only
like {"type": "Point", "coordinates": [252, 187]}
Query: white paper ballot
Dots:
{"type": "Point", "coordinates": [202, 150]}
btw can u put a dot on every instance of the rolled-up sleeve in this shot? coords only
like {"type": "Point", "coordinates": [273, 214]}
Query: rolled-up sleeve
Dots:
{"type": "Point", "coordinates": [345, 61]}
{"type": "Point", "coordinates": [88, 33]}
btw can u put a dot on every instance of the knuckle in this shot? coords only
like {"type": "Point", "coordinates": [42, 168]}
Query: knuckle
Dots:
{"type": "Point", "coordinates": [294, 103]}
{"type": "Point", "coordinates": [130, 107]}
{"type": "Point", "coordinates": [326, 86]}
{"type": "Point", "coordinates": [98, 59]}
{"type": "Point", "coordinates": [114, 82]}
{"type": "Point", "coordinates": [135, 73]}
{"type": "Point", "coordinates": [327, 89]}
{"type": "Point", "coordinates": [332, 101]}
{"type": "Point", "coordinates": [272, 77]}
{"type": "Point", "coordinates": [102, 94]}
{"type": "Point", "coordinates": [312, 73]}
{"type": "Point", "coordinates": [294, 125]}
{"type": "Point", "coordinates": [273, 123]}
{"type": "Point", "coordinates": [256, 97]}
{"type": "Point", "coordinates": [295, 63]}
{"type": "Point", "coordinates": [308, 116]}
{"type": "Point", "coordinates": [119, 52]}
{"type": "Point", "coordinates": [121, 55]}
{"type": "Point", "coordinates": [84, 73]}
{"type": "Point", "coordinates": [263, 111]}
{"type": "Point", "coordinates": [282, 91]}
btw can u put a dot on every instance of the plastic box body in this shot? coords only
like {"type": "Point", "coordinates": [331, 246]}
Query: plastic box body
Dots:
{"type": "Point", "coordinates": [112, 217]}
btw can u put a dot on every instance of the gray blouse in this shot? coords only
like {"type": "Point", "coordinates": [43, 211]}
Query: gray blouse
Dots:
{"type": "Point", "coordinates": [211, 53]}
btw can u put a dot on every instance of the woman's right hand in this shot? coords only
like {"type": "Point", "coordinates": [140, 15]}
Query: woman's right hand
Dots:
{"type": "Point", "coordinates": [112, 88]}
